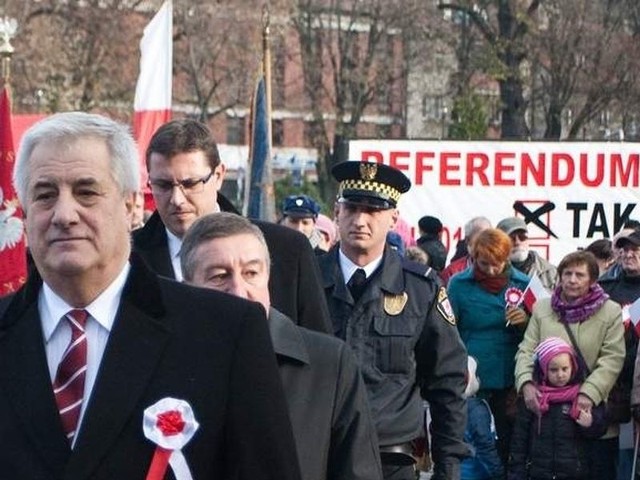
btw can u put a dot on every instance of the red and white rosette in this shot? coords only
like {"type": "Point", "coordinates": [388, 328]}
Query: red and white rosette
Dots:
{"type": "Point", "coordinates": [513, 297]}
{"type": "Point", "coordinates": [169, 424]}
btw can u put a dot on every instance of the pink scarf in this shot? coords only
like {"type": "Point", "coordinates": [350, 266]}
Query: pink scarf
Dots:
{"type": "Point", "coordinates": [568, 393]}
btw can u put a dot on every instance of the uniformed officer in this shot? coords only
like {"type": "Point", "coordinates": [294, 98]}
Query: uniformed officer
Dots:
{"type": "Point", "coordinates": [397, 319]}
{"type": "Point", "coordinates": [300, 212]}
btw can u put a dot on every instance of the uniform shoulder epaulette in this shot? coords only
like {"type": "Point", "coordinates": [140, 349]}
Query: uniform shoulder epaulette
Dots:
{"type": "Point", "coordinates": [419, 269]}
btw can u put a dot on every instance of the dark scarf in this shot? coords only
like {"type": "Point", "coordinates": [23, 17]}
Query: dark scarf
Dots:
{"type": "Point", "coordinates": [630, 278]}
{"type": "Point", "coordinates": [492, 284]}
{"type": "Point", "coordinates": [581, 309]}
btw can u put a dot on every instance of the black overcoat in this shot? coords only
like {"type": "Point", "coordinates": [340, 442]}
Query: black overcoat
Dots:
{"type": "Point", "coordinates": [167, 340]}
{"type": "Point", "coordinates": [327, 400]}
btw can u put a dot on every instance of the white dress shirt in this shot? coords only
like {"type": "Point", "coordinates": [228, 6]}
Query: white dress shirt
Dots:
{"type": "Point", "coordinates": [348, 268]}
{"type": "Point", "coordinates": [57, 332]}
{"type": "Point", "coordinates": [175, 244]}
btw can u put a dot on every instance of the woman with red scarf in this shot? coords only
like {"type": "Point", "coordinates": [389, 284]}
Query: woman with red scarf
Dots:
{"type": "Point", "coordinates": [579, 308]}
{"type": "Point", "coordinates": [485, 299]}
{"type": "Point", "coordinates": [553, 443]}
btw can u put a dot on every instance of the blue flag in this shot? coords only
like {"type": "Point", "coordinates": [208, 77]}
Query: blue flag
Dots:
{"type": "Point", "coordinates": [259, 153]}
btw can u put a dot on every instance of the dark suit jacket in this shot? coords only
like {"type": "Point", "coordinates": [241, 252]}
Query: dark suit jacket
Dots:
{"type": "Point", "coordinates": [168, 340]}
{"type": "Point", "coordinates": [294, 285]}
{"type": "Point", "coordinates": [328, 406]}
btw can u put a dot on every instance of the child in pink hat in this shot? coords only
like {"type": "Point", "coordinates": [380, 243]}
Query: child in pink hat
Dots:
{"type": "Point", "coordinates": [327, 229]}
{"type": "Point", "coordinates": [552, 445]}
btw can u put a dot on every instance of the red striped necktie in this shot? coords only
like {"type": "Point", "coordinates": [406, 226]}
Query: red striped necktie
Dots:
{"type": "Point", "coordinates": [68, 385]}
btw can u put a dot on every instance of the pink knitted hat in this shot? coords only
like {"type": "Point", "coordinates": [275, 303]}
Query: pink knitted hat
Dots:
{"type": "Point", "coordinates": [326, 225]}
{"type": "Point", "coordinates": [551, 347]}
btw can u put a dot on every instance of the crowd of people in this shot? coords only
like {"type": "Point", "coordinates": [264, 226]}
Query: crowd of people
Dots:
{"type": "Point", "coordinates": [196, 343]}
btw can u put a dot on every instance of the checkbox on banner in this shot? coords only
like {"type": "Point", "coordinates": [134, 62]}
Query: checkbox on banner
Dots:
{"type": "Point", "coordinates": [537, 215]}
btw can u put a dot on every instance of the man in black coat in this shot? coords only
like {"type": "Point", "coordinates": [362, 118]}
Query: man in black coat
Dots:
{"type": "Point", "coordinates": [185, 174]}
{"type": "Point", "coordinates": [332, 426]}
{"type": "Point", "coordinates": [102, 361]}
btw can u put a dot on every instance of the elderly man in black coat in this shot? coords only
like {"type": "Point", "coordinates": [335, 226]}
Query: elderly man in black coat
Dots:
{"type": "Point", "coordinates": [106, 368]}
{"type": "Point", "coordinates": [185, 175]}
{"type": "Point", "coordinates": [332, 427]}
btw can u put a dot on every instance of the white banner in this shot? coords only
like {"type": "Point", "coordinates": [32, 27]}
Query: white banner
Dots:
{"type": "Point", "coordinates": [568, 193]}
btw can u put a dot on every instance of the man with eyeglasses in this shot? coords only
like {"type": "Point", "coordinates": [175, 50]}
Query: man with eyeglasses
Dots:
{"type": "Point", "coordinates": [522, 257]}
{"type": "Point", "coordinates": [185, 176]}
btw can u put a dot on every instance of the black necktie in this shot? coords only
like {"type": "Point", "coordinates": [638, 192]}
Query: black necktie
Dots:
{"type": "Point", "coordinates": [357, 284]}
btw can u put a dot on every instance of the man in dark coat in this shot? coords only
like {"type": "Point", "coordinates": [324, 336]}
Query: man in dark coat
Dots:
{"type": "Point", "coordinates": [431, 243]}
{"type": "Point", "coordinates": [327, 400]}
{"type": "Point", "coordinates": [185, 174]}
{"type": "Point", "coordinates": [102, 361]}
{"type": "Point", "coordinates": [623, 286]}
{"type": "Point", "coordinates": [396, 317]}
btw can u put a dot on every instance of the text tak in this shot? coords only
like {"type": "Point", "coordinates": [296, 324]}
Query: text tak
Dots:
{"type": "Point", "coordinates": [598, 220]}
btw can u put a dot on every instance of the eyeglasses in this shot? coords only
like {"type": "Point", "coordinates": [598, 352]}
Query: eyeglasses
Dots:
{"type": "Point", "coordinates": [188, 186]}
{"type": "Point", "coordinates": [522, 236]}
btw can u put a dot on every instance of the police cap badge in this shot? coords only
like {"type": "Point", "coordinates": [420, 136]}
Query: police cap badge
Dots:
{"type": "Point", "coordinates": [371, 184]}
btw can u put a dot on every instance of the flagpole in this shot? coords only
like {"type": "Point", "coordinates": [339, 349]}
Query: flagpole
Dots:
{"type": "Point", "coordinates": [8, 28]}
{"type": "Point", "coordinates": [268, 204]}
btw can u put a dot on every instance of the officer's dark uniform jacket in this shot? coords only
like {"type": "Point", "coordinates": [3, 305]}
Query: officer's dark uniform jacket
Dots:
{"type": "Point", "coordinates": [405, 349]}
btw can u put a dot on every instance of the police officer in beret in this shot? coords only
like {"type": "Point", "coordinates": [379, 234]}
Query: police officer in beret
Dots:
{"type": "Point", "coordinates": [300, 212]}
{"type": "Point", "coordinates": [397, 319]}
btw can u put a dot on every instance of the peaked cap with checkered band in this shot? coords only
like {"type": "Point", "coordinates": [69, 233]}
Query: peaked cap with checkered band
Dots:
{"type": "Point", "coordinates": [372, 184]}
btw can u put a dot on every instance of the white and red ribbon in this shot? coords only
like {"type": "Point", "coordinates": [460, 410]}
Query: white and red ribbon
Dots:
{"type": "Point", "coordinates": [170, 424]}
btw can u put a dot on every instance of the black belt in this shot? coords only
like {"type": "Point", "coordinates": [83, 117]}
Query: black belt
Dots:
{"type": "Point", "coordinates": [401, 454]}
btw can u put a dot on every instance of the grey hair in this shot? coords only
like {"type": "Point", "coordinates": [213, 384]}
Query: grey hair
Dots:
{"type": "Point", "coordinates": [210, 227]}
{"type": "Point", "coordinates": [70, 126]}
{"type": "Point", "coordinates": [475, 225]}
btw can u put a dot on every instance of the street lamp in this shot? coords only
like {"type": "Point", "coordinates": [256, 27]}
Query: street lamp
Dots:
{"type": "Point", "coordinates": [8, 28]}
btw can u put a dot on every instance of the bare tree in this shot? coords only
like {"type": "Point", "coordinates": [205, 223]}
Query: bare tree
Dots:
{"type": "Point", "coordinates": [354, 62]}
{"type": "Point", "coordinates": [77, 53]}
{"type": "Point", "coordinates": [217, 54]}
{"type": "Point", "coordinates": [505, 26]}
{"type": "Point", "coordinates": [585, 66]}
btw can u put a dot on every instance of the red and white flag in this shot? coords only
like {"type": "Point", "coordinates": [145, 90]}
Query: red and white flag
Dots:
{"type": "Point", "coordinates": [534, 292]}
{"type": "Point", "coordinates": [631, 314]}
{"type": "Point", "coordinates": [13, 258]}
{"type": "Point", "coordinates": [152, 102]}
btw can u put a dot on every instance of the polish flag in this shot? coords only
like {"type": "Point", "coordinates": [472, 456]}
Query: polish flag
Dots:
{"type": "Point", "coordinates": [152, 102]}
{"type": "Point", "coordinates": [631, 313]}
{"type": "Point", "coordinates": [534, 292]}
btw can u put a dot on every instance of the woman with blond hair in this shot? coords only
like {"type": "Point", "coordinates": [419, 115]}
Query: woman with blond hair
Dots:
{"type": "Point", "coordinates": [486, 301]}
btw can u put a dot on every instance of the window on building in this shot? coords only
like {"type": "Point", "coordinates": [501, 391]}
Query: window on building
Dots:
{"type": "Point", "coordinates": [278, 97]}
{"type": "Point", "coordinates": [235, 130]}
{"type": "Point", "coordinates": [277, 132]}
{"type": "Point", "coordinates": [432, 107]}
{"type": "Point", "coordinates": [308, 134]}
{"type": "Point", "coordinates": [384, 131]}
